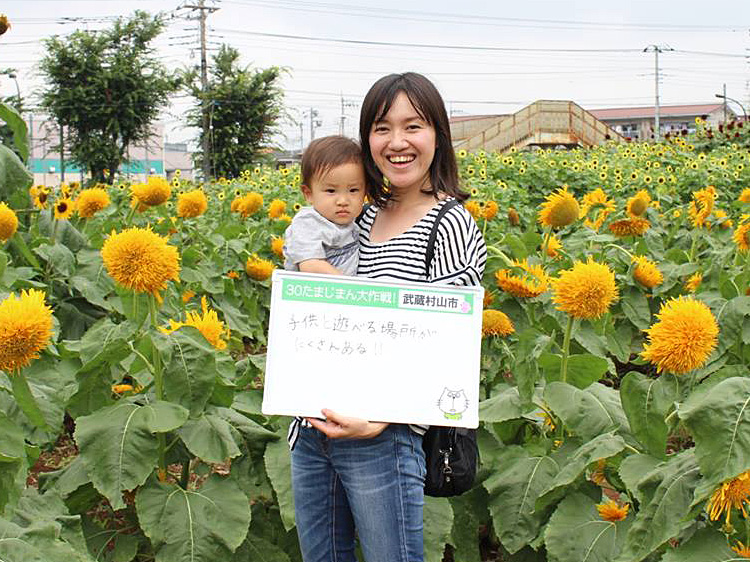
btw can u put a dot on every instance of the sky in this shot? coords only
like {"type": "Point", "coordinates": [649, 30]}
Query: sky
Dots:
{"type": "Point", "coordinates": [486, 57]}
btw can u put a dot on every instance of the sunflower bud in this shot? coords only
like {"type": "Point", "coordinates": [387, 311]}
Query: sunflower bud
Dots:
{"type": "Point", "coordinates": [513, 217]}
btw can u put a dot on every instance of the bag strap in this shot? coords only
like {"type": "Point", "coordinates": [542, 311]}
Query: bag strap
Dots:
{"type": "Point", "coordinates": [430, 253]}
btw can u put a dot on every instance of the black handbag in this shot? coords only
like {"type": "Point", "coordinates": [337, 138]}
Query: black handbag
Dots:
{"type": "Point", "coordinates": [451, 453]}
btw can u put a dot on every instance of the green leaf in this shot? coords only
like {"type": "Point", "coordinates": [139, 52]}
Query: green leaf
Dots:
{"type": "Point", "coordinates": [634, 469]}
{"type": "Point", "coordinates": [118, 448]}
{"type": "Point", "coordinates": [209, 438]}
{"type": "Point", "coordinates": [59, 258]}
{"type": "Point", "coordinates": [12, 446]}
{"type": "Point", "coordinates": [110, 545]}
{"type": "Point", "coordinates": [164, 416]}
{"type": "Point", "coordinates": [201, 525]}
{"type": "Point", "coordinates": [583, 370]}
{"type": "Point", "coordinates": [646, 403]}
{"type": "Point", "coordinates": [469, 513]}
{"type": "Point", "coordinates": [26, 400]}
{"type": "Point", "coordinates": [438, 522]}
{"type": "Point", "coordinates": [251, 430]}
{"type": "Point", "coordinates": [635, 307]}
{"type": "Point", "coordinates": [586, 413]}
{"type": "Point", "coordinates": [590, 340]}
{"type": "Point", "coordinates": [279, 469]}
{"type": "Point", "coordinates": [719, 422]}
{"type": "Point", "coordinates": [576, 532]}
{"type": "Point", "coordinates": [668, 493]}
{"type": "Point", "coordinates": [706, 545]}
{"type": "Point", "coordinates": [190, 376]}
{"type": "Point", "coordinates": [13, 174]}
{"type": "Point", "coordinates": [19, 128]}
{"type": "Point", "coordinates": [514, 487]}
{"type": "Point", "coordinates": [257, 549]}
{"type": "Point", "coordinates": [502, 407]}
{"type": "Point", "coordinates": [619, 339]}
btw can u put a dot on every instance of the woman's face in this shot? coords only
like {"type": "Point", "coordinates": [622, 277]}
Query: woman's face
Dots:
{"type": "Point", "coordinates": [402, 145]}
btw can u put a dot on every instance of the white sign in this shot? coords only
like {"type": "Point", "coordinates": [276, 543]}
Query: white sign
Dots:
{"type": "Point", "coordinates": [382, 351]}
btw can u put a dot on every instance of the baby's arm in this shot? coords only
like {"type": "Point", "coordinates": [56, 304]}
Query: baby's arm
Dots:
{"type": "Point", "coordinates": [318, 266]}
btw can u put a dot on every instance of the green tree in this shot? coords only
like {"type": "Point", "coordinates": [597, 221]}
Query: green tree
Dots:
{"type": "Point", "coordinates": [245, 106]}
{"type": "Point", "coordinates": [106, 88]}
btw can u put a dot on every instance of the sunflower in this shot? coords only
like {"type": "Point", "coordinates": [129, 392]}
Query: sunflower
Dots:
{"type": "Point", "coordinates": [552, 247]}
{"type": "Point", "coordinates": [191, 204]}
{"type": "Point", "coordinates": [684, 336]}
{"type": "Point", "coordinates": [285, 218]}
{"type": "Point", "coordinates": [693, 282]}
{"type": "Point", "coordinates": [8, 222]}
{"type": "Point", "coordinates": [64, 208]}
{"type": "Point", "coordinates": [207, 323]}
{"type": "Point", "coordinates": [602, 206]}
{"type": "Point", "coordinates": [276, 209]}
{"type": "Point", "coordinates": [638, 204]}
{"type": "Point", "coordinates": [490, 210]}
{"type": "Point", "coordinates": [745, 196]}
{"type": "Point", "coordinates": [629, 227]}
{"type": "Point", "coordinates": [233, 274]}
{"type": "Point", "coordinates": [741, 237]}
{"type": "Point", "coordinates": [91, 201]}
{"type": "Point", "coordinates": [187, 295]}
{"type": "Point", "coordinates": [4, 24]}
{"type": "Point", "coordinates": [141, 260]}
{"type": "Point", "coordinates": [610, 511]}
{"type": "Point", "coordinates": [732, 494]}
{"type": "Point", "coordinates": [585, 291]}
{"type": "Point", "coordinates": [722, 218]}
{"type": "Point", "coordinates": [153, 193]}
{"type": "Point", "coordinates": [496, 323]}
{"type": "Point", "coordinates": [474, 209]}
{"type": "Point", "coordinates": [259, 269]}
{"type": "Point", "coordinates": [742, 550]}
{"type": "Point", "coordinates": [250, 204]}
{"type": "Point", "coordinates": [25, 329]}
{"type": "Point", "coordinates": [513, 217]}
{"type": "Point", "coordinates": [41, 198]}
{"type": "Point", "coordinates": [559, 209]}
{"type": "Point", "coordinates": [489, 296]}
{"type": "Point", "coordinates": [532, 282]}
{"type": "Point", "coordinates": [646, 272]}
{"type": "Point", "coordinates": [702, 205]}
{"type": "Point", "coordinates": [277, 246]}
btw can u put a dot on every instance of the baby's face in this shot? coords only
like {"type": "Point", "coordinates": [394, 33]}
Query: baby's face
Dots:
{"type": "Point", "coordinates": [339, 193]}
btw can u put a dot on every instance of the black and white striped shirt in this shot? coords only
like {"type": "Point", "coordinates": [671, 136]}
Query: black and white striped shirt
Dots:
{"type": "Point", "coordinates": [459, 258]}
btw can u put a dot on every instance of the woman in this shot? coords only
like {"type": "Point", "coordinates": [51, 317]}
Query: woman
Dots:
{"type": "Point", "coordinates": [351, 473]}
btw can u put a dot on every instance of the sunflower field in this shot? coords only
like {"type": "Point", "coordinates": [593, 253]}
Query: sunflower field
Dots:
{"type": "Point", "coordinates": [614, 423]}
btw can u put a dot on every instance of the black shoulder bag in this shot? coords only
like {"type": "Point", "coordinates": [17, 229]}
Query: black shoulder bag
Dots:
{"type": "Point", "coordinates": [450, 452]}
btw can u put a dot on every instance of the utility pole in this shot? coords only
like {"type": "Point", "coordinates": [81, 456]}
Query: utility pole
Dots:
{"type": "Point", "coordinates": [725, 103]}
{"type": "Point", "coordinates": [314, 122]}
{"type": "Point", "coordinates": [656, 49]}
{"type": "Point", "coordinates": [62, 153]}
{"type": "Point", "coordinates": [344, 105]}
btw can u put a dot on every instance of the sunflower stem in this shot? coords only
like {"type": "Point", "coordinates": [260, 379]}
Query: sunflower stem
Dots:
{"type": "Point", "coordinates": [694, 245]}
{"type": "Point", "coordinates": [499, 253]}
{"type": "Point", "coordinates": [630, 256]}
{"type": "Point", "coordinates": [158, 383]}
{"type": "Point", "coordinates": [129, 218]}
{"type": "Point", "coordinates": [566, 350]}
{"type": "Point", "coordinates": [53, 235]}
{"type": "Point", "coordinates": [545, 245]}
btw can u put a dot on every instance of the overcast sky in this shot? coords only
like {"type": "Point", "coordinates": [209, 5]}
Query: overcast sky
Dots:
{"type": "Point", "coordinates": [485, 56]}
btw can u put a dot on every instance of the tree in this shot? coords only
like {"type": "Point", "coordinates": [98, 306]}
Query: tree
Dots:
{"type": "Point", "coordinates": [245, 106]}
{"type": "Point", "coordinates": [106, 88]}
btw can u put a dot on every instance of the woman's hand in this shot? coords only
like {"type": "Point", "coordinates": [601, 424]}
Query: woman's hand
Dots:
{"type": "Point", "coordinates": [337, 426]}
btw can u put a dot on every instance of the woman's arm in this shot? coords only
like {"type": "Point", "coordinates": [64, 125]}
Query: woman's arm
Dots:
{"type": "Point", "coordinates": [317, 266]}
{"type": "Point", "coordinates": [337, 426]}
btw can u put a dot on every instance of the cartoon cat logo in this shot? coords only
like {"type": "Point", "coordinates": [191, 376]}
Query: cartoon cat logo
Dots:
{"type": "Point", "coordinates": [453, 403]}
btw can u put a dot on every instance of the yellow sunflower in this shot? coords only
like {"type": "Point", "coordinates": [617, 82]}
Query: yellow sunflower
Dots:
{"type": "Point", "coordinates": [25, 329]}
{"type": "Point", "coordinates": [474, 209]}
{"type": "Point", "coordinates": [490, 210]}
{"type": "Point", "coordinates": [745, 196]}
{"type": "Point", "coordinates": [585, 291]}
{"type": "Point", "coordinates": [496, 323]}
{"type": "Point", "coordinates": [277, 246]}
{"type": "Point", "coordinates": [250, 204]}
{"type": "Point", "coordinates": [208, 323]}
{"type": "Point", "coordinates": [602, 206]}
{"type": "Point", "coordinates": [638, 204]}
{"type": "Point", "coordinates": [629, 227]}
{"type": "Point", "coordinates": [610, 511]}
{"type": "Point", "coordinates": [259, 269]}
{"type": "Point", "coordinates": [141, 260]}
{"type": "Point", "coordinates": [742, 550]}
{"type": "Point", "coordinates": [41, 198]}
{"type": "Point", "coordinates": [702, 205]}
{"type": "Point", "coordinates": [693, 282]}
{"type": "Point", "coordinates": [64, 208]}
{"type": "Point", "coordinates": [646, 272]}
{"type": "Point", "coordinates": [732, 494]}
{"type": "Point", "coordinates": [152, 193]}
{"type": "Point", "coordinates": [91, 201]}
{"type": "Point", "coordinates": [8, 222]}
{"type": "Point", "coordinates": [530, 282]}
{"type": "Point", "coordinates": [276, 209]}
{"type": "Point", "coordinates": [553, 246]}
{"type": "Point", "coordinates": [683, 337]}
{"type": "Point", "coordinates": [559, 209]}
{"type": "Point", "coordinates": [741, 237]}
{"type": "Point", "coordinates": [192, 204]}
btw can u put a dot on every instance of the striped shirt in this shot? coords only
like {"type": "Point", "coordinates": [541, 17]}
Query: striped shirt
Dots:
{"type": "Point", "coordinates": [459, 258]}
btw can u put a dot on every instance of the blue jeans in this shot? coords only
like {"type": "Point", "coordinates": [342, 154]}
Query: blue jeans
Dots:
{"type": "Point", "coordinates": [374, 485]}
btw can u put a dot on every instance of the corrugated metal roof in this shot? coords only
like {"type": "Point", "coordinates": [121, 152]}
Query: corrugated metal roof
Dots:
{"type": "Point", "coordinates": [650, 112]}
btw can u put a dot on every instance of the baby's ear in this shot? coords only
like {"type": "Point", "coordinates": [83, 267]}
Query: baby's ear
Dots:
{"type": "Point", "coordinates": [307, 192]}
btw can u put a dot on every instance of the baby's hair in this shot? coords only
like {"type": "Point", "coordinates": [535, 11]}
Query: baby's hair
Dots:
{"type": "Point", "coordinates": [326, 153]}
{"type": "Point", "coordinates": [428, 102]}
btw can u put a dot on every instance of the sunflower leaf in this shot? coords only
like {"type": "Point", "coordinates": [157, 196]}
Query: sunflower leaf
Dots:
{"type": "Point", "coordinates": [707, 545]}
{"type": "Point", "coordinates": [646, 403]}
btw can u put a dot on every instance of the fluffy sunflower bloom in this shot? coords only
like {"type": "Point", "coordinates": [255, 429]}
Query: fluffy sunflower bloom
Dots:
{"type": "Point", "coordinates": [741, 237]}
{"type": "Point", "coordinates": [152, 193]}
{"type": "Point", "coordinates": [259, 269]}
{"type": "Point", "coordinates": [702, 205]}
{"type": "Point", "coordinates": [474, 209]}
{"type": "Point", "coordinates": [490, 210]}
{"type": "Point", "coordinates": [531, 281]}
{"type": "Point", "coordinates": [629, 227]}
{"type": "Point", "coordinates": [187, 295]}
{"type": "Point", "coordinates": [141, 260]}
{"type": "Point", "coordinates": [91, 201]}
{"type": "Point", "coordinates": [693, 282]}
{"type": "Point", "coordinates": [8, 222]}
{"type": "Point", "coordinates": [646, 272]}
{"type": "Point", "coordinates": [276, 209]}
{"type": "Point", "coordinates": [722, 218]}
{"type": "Point", "coordinates": [559, 209]}
{"type": "Point", "coordinates": [277, 246]}
{"type": "Point", "coordinates": [207, 323]}
{"type": "Point", "coordinates": [741, 549]}
{"type": "Point", "coordinates": [250, 204]}
{"type": "Point", "coordinates": [599, 205]}
{"type": "Point", "coordinates": [610, 511]}
{"type": "Point", "coordinates": [513, 217]}
{"type": "Point", "coordinates": [25, 329]}
{"type": "Point", "coordinates": [586, 291]}
{"type": "Point", "coordinates": [732, 494]}
{"type": "Point", "coordinates": [64, 208]}
{"type": "Point", "coordinates": [496, 323]}
{"type": "Point", "coordinates": [638, 204]}
{"type": "Point", "coordinates": [683, 337]}
{"type": "Point", "coordinates": [552, 247]}
{"type": "Point", "coordinates": [745, 196]}
{"type": "Point", "coordinates": [192, 204]}
{"type": "Point", "coordinates": [233, 274]}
